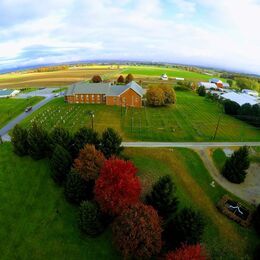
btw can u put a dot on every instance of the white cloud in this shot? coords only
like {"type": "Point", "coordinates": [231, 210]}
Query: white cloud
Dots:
{"type": "Point", "coordinates": [225, 33]}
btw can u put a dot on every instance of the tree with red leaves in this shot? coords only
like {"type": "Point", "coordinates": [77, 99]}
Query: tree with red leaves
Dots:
{"type": "Point", "coordinates": [137, 232]}
{"type": "Point", "coordinates": [89, 162]}
{"type": "Point", "coordinates": [117, 186]}
{"type": "Point", "coordinates": [188, 252]}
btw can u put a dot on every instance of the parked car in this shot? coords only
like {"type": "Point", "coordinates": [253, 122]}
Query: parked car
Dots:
{"type": "Point", "coordinates": [57, 95]}
{"type": "Point", "coordinates": [28, 109]}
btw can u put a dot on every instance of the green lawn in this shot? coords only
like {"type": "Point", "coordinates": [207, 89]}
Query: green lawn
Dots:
{"type": "Point", "coordinates": [36, 222]}
{"type": "Point", "coordinates": [171, 72]}
{"type": "Point", "coordinates": [193, 118]}
{"type": "Point", "coordinates": [223, 238]}
{"type": "Point", "coordinates": [10, 108]}
{"type": "Point", "coordinates": [219, 158]}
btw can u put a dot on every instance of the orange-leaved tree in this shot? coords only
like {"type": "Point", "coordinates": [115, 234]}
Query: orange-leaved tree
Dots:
{"type": "Point", "coordinates": [89, 162]}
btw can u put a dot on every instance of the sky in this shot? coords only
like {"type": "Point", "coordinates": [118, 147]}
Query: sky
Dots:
{"type": "Point", "coordinates": [217, 33]}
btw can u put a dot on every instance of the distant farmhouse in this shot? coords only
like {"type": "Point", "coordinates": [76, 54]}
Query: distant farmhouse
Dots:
{"type": "Point", "coordinates": [104, 93]}
{"type": "Point", "coordinates": [6, 93]}
{"type": "Point", "coordinates": [164, 77]}
{"type": "Point", "coordinates": [214, 84]}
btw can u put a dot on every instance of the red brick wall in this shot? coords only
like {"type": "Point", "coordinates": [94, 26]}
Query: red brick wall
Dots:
{"type": "Point", "coordinates": [86, 99]}
{"type": "Point", "coordinates": [128, 98]}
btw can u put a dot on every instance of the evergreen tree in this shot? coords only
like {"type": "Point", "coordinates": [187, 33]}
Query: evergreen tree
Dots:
{"type": "Point", "coordinates": [111, 143]}
{"type": "Point", "coordinates": [90, 218]}
{"type": "Point", "coordinates": [231, 107]}
{"type": "Point", "coordinates": [185, 228]}
{"type": "Point", "coordinates": [60, 164]}
{"type": "Point", "coordinates": [76, 189]}
{"type": "Point", "coordinates": [38, 142]}
{"type": "Point", "coordinates": [235, 167]}
{"type": "Point", "coordinates": [60, 136]}
{"type": "Point", "coordinates": [121, 79]}
{"type": "Point", "coordinates": [19, 140]}
{"type": "Point", "coordinates": [129, 78]}
{"type": "Point", "coordinates": [162, 197]}
{"type": "Point", "coordinates": [202, 91]}
{"type": "Point", "coordinates": [82, 137]}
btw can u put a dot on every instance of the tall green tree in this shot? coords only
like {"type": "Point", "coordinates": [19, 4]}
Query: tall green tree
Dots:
{"type": "Point", "coordinates": [60, 136]}
{"type": "Point", "coordinates": [162, 197]}
{"type": "Point", "coordinates": [38, 142]}
{"type": "Point", "coordinates": [186, 227]}
{"type": "Point", "coordinates": [235, 167]}
{"type": "Point", "coordinates": [111, 143]}
{"type": "Point", "coordinates": [60, 162]}
{"type": "Point", "coordinates": [19, 140]}
{"type": "Point", "coordinates": [82, 137]}
{"type": "Point", "coordinates": [76, 189]}
{"type": "Point", "coordinates": [201, 91]}
{"type": "Point", "coordinates": [90, 218]}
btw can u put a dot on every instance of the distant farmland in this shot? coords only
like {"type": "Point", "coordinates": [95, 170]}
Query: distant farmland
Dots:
{"type": "Point", "coordinates": [142, 71]}
{"type": "Point", "coordinates": [55, 78]}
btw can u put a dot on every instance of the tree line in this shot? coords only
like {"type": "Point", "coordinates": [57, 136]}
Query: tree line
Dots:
{"type": "Point", "coordinates": [98, 178]}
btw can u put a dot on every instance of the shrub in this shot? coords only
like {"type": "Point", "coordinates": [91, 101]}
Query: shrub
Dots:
{"type": "Point", "coordinates": [19, 140]}
{"type": "Point", "coordinates": [117, 186]}
{"type": "Point", "coordinates": [155, 97]}
{"type": "Point", "coordinates": [96, 79]}
{"type": "Point", "coordinates": [76, 189]}
{"type": "Point", "coordinates": [129, 78]}
{"type": "Point", "coordinates": [60, 164]}
{"type": "Point", "coordinates": [231, 107]}
{"type": "Point", "coordinates": [186, 227]}
{"type": "Point", "coordinates": [82, 137]}
{"type": "Point", "coordinates": [235, 167]}
{"type": "Point", "coordinates": [38, 142]}
{"type": "Point", "coordinates": [60, 136]}
{"type": "Point", "coordinates": [111, 143]}
{"type": "Point", "coordinates": [169, 94]}
{"type": "Point", "coordinates": [256, 220]}
{"type": "Point", "coordinates": [162, 197]}
{"type": "Point", "coordinates": [90, 218]}
{"type": "Point", "coordinates": [89, 162]}
{"type": "Point", "coordinates": [188, 252]}
{"type": "Point", "coordinates": [137, 232]}
{"type": "Point", "coordinates": [121, 79]}
{"type": "Point", "coordinates": [201, 91]}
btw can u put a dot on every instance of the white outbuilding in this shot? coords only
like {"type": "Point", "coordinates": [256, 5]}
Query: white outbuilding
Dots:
{"type": "Point", "coordinates": [164, 76]}
{"type": "Point", "coordinates": [240, 98]}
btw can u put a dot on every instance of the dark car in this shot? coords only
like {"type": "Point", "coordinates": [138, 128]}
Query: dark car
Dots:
{"type": "Point", "coordinates": [28, 109]}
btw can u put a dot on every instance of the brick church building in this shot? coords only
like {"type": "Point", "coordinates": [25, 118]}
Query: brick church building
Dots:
{"type": "Point", "coordinates": [104, 93]}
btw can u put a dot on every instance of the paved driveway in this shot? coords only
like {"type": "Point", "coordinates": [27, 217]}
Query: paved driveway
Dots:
{"type": "Point", "coordinates": [45, 92]}
{"type": "Point", "coordinates": [4, 131]}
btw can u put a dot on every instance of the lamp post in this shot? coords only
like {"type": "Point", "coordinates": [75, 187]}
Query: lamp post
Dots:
{"type": "Point", "coordinates": [92, 115]}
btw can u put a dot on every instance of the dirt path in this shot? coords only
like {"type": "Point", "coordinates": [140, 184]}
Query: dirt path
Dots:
{"type": "Point", "coordinates": [249, 190]}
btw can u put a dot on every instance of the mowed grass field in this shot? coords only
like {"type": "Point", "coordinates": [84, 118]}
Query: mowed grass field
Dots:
{"type": "Point", "coordinates": [223, 238]}
{"type": "Point", "coordinates": [193, 118]}
{"type": "Point", "coordinates": [10, 108]}
{"type": "Point", "coordinates": [55, 78]}
{"type": "Point", "coordinates": [37, 223]}
{"type": "Point", "coordinates": [154, 71]}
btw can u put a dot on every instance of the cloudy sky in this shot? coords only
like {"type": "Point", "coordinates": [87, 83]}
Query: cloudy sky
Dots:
{"type": "Point", "coordinates": [219, 33]}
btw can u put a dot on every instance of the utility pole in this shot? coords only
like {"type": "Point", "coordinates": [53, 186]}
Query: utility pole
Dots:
{"type": "Point", "coordinates": [91, 114]}
{"type": "Point", "coordinates": [216, 130]}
